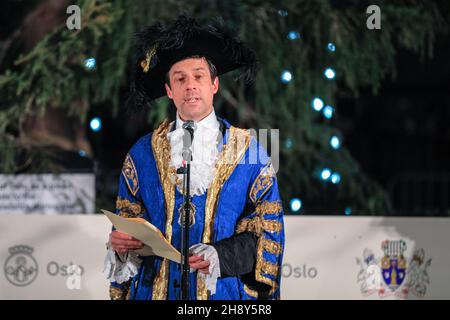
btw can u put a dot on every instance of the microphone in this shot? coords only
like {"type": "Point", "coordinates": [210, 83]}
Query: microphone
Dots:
{"type": "Point", "coordinates": [189, 127]}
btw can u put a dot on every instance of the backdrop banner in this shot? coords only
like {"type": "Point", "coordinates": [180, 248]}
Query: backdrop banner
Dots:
{"type": "Point", "coordinates": [47, 193]}
{"type": "Point", "coordinates": [366, 258]}
{"type": "Point", "coordinates": [61, 257]}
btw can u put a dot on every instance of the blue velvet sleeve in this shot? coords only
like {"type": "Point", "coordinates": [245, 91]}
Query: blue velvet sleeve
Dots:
{"type": "Point", "coordinates": [128, 205]}
{"type": "Point", "coordinates": [255, 251]}
{"type": "Point", "coordinates": [266, 222]}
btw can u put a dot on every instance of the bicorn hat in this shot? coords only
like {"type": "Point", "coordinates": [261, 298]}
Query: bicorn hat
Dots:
{"type": "Point", "coordinates": [159, 47]}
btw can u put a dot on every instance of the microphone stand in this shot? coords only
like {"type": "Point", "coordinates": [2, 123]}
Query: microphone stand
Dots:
{"type": "Point", "coordinates": [186, 171]}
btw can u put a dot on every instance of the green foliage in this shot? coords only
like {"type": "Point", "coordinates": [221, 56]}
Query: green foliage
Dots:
{"type": "Point", "coordinates": [52, 73]}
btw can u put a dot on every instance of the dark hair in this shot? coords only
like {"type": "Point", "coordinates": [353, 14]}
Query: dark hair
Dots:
{"type": "Point", "coordinates": [212, 68]}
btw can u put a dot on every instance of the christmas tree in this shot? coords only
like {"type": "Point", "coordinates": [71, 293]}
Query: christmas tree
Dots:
{"type": "Point", "coordinates": [311, 52]}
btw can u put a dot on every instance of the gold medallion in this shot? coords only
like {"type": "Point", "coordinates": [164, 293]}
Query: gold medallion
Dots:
{"type": "Point", "coordinates": [191, 214]}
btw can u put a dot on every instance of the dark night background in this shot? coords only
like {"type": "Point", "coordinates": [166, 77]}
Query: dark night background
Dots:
{"type": "Point", "coordinates": [400, 136]}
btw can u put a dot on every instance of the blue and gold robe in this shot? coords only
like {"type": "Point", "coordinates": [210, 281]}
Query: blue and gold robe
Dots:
{"type": "Point", "coordinates": [240, 215]}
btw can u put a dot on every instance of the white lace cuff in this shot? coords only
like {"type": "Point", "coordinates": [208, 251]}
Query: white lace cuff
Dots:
{"type": "Point", "coordinates": [209, 253]}
{"type": "Point", "coordinates": [120, 268]}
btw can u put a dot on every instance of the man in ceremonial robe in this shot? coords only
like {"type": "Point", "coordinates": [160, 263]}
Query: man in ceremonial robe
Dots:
{"type": "Point", "coordinates": [236, 229]}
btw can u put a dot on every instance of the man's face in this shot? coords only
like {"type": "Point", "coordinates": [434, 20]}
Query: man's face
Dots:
{"type": "Point", "coordinates": [191, 88]}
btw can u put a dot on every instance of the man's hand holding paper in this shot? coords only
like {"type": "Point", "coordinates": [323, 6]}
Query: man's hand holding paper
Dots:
{"type": "Point", "coordinates": [122, 242]}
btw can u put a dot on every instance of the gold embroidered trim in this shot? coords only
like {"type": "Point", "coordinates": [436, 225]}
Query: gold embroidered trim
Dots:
{"type": "Point", "coordinates": [130, 175]}
{"type": "Point", "coordinates": [269, 268]}
{"type": "Point", "coordinates": [271, 246]}
{"type": "Point", "coordinates": [202, 291]}
{"type": "Point", "coordinates": [128, 209]}
{"type": "Point", "coordinates": [268, 207]}
{"type": "Point", "coordinates": [263, 266]}
{"type": "Point", "coordinates": [253, 225]}
{"type": "Point", "coordinates": [257, 225]}
{"type": "Point", "coordinates": [229, 157]}
{"type": "Point", "coordinates": [255, 293]}
{"type": "Point", "coordinates": [145, 63]}
{"type": "Point", "coordinates": [262, 183]}
{"type": "Point", "coordinates": [271, 226]}
{"type": "Point", "coordinates": [161, 152]}
{"type": "Point", "coordinates": [250, 292]}
{"type": "Point", "coordinates": [116, 293]}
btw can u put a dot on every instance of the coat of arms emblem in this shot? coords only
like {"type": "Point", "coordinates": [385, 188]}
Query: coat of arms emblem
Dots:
{"type": "Point", "coordinates": [21, 268]}
{"type": "Point", "coordinates": [393, 273]}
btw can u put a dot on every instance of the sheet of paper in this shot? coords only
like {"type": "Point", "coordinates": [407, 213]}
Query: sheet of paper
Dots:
{"type": "Point", "coordinates": [153, 239]}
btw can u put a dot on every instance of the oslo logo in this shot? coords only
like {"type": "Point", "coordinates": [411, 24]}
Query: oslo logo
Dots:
{"type": "Point", "coordinates": [21, 268]}
{"type": "Point", "coordinates": [303, 271]}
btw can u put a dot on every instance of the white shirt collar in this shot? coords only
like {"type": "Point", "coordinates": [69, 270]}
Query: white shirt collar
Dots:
{"type": "Point", "coordinates": [210, 121]}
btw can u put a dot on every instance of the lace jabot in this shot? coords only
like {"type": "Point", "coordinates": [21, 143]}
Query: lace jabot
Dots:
{"type": "Point", "coordinates": [204, 152]}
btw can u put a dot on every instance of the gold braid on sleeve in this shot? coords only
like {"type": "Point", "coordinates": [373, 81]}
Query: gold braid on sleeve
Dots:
{"type": "Point", "coordinates": [261, 226]}
{"type": "Point", "coordinates": [128, 209]}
